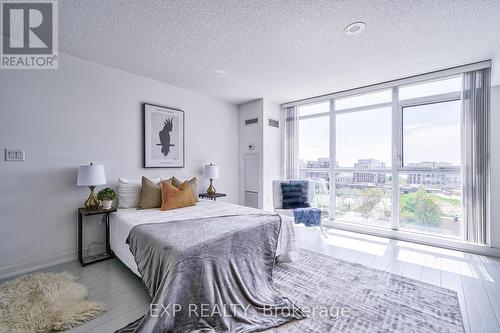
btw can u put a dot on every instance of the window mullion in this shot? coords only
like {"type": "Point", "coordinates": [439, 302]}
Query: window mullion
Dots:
{"type": "Point", "coordinates": [396, 157]}
{"type": "Point", "coordinates": [432, 99]}
{"type": "Point", "coordinates": [333, 158]}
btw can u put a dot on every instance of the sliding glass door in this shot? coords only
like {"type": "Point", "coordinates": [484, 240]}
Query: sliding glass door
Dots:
{"type": "Point", "coordinates": [398, 157]}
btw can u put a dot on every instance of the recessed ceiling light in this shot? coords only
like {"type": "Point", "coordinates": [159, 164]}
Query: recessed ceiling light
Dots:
{"type": "Point", "coordinates": [354, 28]}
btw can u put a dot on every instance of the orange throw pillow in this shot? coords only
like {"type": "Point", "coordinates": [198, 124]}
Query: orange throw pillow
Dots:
{"type": "Point", "coordinates": [174, 197]}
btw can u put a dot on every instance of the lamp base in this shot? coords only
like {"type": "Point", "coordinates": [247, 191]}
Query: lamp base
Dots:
{"type": "Point", "coordinates": [211, 188]}
{"type": "Point", "coordinates": [91, 203]}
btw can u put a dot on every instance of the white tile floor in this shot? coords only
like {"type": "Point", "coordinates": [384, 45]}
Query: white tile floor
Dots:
{"type": "Point", "coordinates": [476, 278]}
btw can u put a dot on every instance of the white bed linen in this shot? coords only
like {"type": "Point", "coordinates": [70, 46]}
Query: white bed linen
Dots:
{"type": "Point", "coordinates": [122, 222]}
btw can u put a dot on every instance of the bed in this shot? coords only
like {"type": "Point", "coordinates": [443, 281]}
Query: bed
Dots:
{"type": "Point", "coordinates": [228, 261]}
{"type": "Point", "coordinates": [122, 222]}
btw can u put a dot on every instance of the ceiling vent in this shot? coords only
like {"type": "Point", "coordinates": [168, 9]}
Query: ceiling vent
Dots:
{"type": "Point", "coordinates": [274, 123]}
{"type": "Point", "coordinates": [251, 121]}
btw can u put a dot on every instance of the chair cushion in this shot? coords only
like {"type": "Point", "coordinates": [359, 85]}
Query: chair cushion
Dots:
{"type": "Point", "coordinates": [295, 194]}
{"type": "Point", "coordinates": [278, 196]}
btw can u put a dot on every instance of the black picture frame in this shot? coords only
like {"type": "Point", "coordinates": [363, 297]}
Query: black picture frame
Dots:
{"type": "Point", "coordinates": [158, 153]}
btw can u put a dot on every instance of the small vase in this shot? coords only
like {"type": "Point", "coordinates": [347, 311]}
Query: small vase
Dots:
{"type": "Point", "coordinates": [106, 204]}
{"type": "Point", "coordinates": [211, 188]}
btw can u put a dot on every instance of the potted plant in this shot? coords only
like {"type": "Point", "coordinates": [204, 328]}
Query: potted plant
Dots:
{"type": "Point", "coordinates": [106, 196]}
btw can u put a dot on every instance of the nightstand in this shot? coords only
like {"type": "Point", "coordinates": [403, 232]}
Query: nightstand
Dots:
{"type": "Point", "coordinates": [211, 196]}
{"type": "Point", "coordinates": [108, 254]}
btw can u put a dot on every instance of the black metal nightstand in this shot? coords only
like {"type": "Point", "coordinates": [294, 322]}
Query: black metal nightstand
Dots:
{"type": "Point", "coordinates": [108, 254]}
{"type": "Point", "coordinates": [211, 196]}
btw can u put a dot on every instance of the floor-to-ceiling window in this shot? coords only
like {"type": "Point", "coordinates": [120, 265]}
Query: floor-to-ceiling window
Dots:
{"type": "Point", "coordinates": [314, 150]}
{"type": "Point", "coordinates": [363, 158]}
{"type": "Point", "coordinates": [397, 156]}
{"type": "Point", "coordinates": [430, 176]}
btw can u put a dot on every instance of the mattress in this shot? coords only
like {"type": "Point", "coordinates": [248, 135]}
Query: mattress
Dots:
{"type": "Point", "coordinates": [122, 222]}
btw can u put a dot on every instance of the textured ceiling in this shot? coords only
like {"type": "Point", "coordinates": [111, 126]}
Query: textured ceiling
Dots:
{"type": "Point", "coordinates": [282, 50]}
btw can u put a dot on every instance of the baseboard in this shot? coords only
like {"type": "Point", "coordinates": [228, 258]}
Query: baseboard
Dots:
{"type": "Point", "coordinates": [28, 267]}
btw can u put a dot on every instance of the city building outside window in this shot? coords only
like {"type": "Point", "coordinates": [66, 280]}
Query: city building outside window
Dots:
{"type": "Point", "coordinates": [386, 147]}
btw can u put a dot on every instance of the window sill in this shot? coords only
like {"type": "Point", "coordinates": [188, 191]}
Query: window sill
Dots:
{"type": "Point", "coordinates": [447, 243]}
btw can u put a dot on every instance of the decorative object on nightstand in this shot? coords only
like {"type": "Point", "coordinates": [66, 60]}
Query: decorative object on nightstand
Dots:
{"type": "Point", "coordinates": [211, 172]}
{"type": "Point", "coordinates": [91, 175]}
{"type": "Point", "coordinates": [211, 196]}
{"type": "Point", "coordinates": [96, 258]}
{"type": "Point", "coordinates": [106, 197]}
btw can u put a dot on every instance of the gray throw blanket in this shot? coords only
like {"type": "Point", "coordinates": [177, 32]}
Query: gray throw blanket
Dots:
{"type": "Point", "coordinates": [210, 275]}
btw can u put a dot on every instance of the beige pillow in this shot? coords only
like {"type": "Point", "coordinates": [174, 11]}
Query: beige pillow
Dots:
{"type": "Point", "coordinates": [192, 182]}
{"type": "Point", "coordinates": [174, 197]}
{"type": "Point", "coordinates": [151, 194]}
{"type": "Point", "coordinates": [129, 192]}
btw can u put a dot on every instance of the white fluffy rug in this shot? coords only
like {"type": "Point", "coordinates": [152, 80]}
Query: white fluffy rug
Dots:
{"type": "Point", "coordinates": [45, 302]}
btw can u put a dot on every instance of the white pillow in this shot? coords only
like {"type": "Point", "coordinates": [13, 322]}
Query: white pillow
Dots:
{"type": "Point", "coordinates": [129, 192]}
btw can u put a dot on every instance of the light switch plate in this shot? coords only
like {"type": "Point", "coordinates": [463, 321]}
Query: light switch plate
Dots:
{"type": "Point", "coordinates": [15, 155]}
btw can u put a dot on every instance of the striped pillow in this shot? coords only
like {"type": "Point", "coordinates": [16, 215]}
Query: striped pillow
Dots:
{"type": "Point", "coordinates": [295, 195]}
{"type": "Point", "coordinates": [129, 192]}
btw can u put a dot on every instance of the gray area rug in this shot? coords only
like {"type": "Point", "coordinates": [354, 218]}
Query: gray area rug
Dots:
{"type": "Point", "coordinates": [346, 297]}
{"type": "Point", "coordinates": [377, 301]}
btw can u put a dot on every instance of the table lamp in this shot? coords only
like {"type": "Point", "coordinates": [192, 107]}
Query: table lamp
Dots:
{"type": "Point", "coordinates": [91, 175]}
{"type": "Point", "coordinates": [211, 172]}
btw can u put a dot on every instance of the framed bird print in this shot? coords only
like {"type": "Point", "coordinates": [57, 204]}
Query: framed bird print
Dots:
{"type": "Point", "coordinates": [163, 137]}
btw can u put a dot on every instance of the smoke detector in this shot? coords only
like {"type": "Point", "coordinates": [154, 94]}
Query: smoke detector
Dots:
{"type": "Point", "coordinates": [354, 28]}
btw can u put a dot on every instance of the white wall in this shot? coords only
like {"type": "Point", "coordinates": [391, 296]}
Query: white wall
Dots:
{"type": "Point", "coordinates": [268, 145]}
{"type": "Point", "coordinates": [272, 152]}
{"type": "Point", "coordinates": [495, 168]}
{"type": "Point", "coordinates": [87, 112]}
{"type": "Point", "coordinates": [250, 135]}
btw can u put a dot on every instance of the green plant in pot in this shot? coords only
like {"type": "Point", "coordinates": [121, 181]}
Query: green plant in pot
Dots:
{"type": "Point", "coordinates": [106, 196]}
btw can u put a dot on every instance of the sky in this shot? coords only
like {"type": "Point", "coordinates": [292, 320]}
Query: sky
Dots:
{"type": "Point", "coordinates": [431, 133]}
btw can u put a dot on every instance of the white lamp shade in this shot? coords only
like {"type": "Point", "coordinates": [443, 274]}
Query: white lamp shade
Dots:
{"type": "Point", "coordinates": [91, 175]}
{"type": "Point", "coordinates": [211, 171]}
